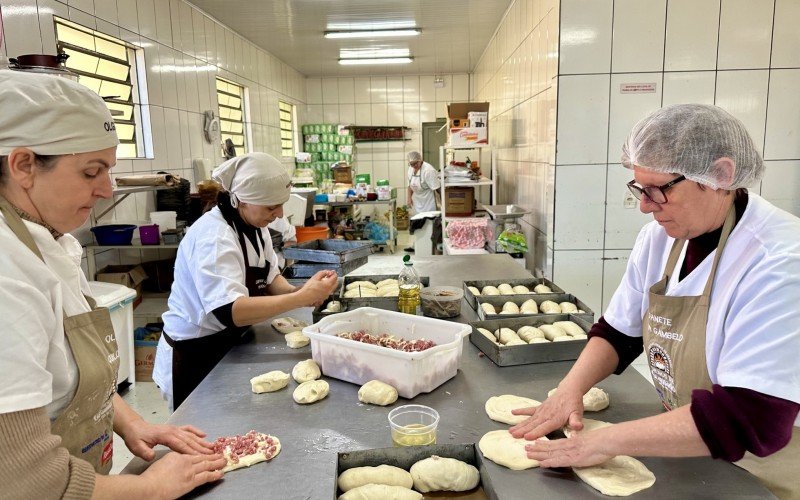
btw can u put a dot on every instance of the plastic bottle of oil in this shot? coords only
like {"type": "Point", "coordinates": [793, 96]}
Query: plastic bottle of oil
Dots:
{"type": "Point", "coordinates": [408, 299]}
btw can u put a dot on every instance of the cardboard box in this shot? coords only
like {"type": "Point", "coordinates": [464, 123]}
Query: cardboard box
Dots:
{"type": "Point", "coordinates": [343, 175]}
{"type": "Point", "coordinates": [145, 344]}
{"type": "Point", "coordinates": [468, 136]}
{"type": "Point", "coordinates": [131, 276]}
{"type": "Point", "coordinates": [458, 116]}
{"type": "Point", "coordinates": [459, 201]}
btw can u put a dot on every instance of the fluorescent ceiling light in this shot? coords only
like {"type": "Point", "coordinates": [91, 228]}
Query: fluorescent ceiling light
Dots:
{"type": "Point", "coordinates": [375, 60]}
{"type": "Point", "coordinates": [372, 53]}
{"type": "Point", "coordinates": [371, 25]}
{"type": "Point", "coordinates": [372, 33]}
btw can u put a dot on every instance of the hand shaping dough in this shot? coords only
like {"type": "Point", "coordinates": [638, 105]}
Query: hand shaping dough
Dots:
{"type": "Point", "coordinates": [529, 307]}
{"type": "Point", "coordinates": [550, 307]}
{"type": "Point", "coordinates": [505, 289]}
{"type": "Point", "coordinates": [489, 335]}
{"type": "Point", "coordinates": [595, 399]}
{"type": "Point", "coordinates": [444, 474]}
{"type": "Point", "coordinates": [499, 408]}
{"type": "Point", "coordinates": [551, 332]}
{"type": "Point", "coordinates": [504, 449]}
{"type": "Point", "coordinates": [296, 340]}
{"type": "Point", "coordinates": [382, 474]}
{"type": "Point", "coordinates": [510, 308]}
{"type": "Point", "coordinates": [305, 371]}
{"type": "Point", "coordinates": [488, 308]}
{"type": "Point", "coordinates": [362, 285]}
{"type": "Point", "coordinates": [570, 327]}
{"type": "Point", "coordinates": [620, 476]}
{"type": "Point", "coordinates": [288, 325]}
{"type": "Point", "coordinates": [588, 425]}
{"type": "Point", "coordinates": [381, 492]}
{"type": "Point", "coordinates": [310, 392]}
{"type": "Point", "coordinates": [377, 393]}
{"type": "Point", "coordinates": [542, 289]}
{"type": "Point", "coordinates": [490, 290]}
{"type": "Point", "coordinates": [568, 307]}
{"type": "Point", "coordinates": [474, 290]}
{"type": "Point", "coordinates": [521, 289]}
{"type": "Point", "coordinates": [269, 382]}
{"type": "Point", "coordinates": [528, 333]}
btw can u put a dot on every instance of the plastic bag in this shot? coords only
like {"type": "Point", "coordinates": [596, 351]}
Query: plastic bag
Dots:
{"type": "Point", "coordinates": [512, 241]}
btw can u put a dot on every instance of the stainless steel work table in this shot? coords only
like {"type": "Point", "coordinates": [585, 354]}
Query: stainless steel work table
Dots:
{"type": "Point", "coordinates": [311, 435]}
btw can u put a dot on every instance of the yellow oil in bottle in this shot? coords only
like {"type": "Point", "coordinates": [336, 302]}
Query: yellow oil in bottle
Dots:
{"type": "Point", "coordinates": [413, 435]}
{"type": "Point", "coordinates": [408, 299]}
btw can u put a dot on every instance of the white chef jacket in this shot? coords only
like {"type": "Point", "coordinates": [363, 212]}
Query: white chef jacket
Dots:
{"type": "Point", "coordinates": [753, 332]}
{"type": "Point", "coordinates": [209, 273]}
{"type": "Point", "coordinates": [37, 368]}
{"type": "Point", "coordinates": [423, 185]}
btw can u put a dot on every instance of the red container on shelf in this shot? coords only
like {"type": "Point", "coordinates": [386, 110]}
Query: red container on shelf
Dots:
{"type": "Point", "coordinates": [149, 234]}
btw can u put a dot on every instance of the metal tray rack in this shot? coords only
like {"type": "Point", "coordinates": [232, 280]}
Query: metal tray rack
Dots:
{"type": "Point", "coordinates": [389, 303]}
{"type": "Point", "coordinates": [530, 283]}
{"type": "Point", "coordinates": [498, 300]}
{"type": "Point", "coordinates": [406, 456]}
{"type": "Point", "coordinates": [531, 353]}
{"type": "Point", "coordinates": [328, 251]}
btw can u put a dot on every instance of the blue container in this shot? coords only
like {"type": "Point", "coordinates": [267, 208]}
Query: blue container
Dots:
{"type": "Point", "coordinates": [321, 198]}
{"type": "Point", "coordinates": [114, 234]}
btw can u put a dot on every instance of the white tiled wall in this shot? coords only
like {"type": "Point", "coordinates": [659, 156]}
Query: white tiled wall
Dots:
{"type": "Point", "coordinates": [741, 55]}
{"type": "Point", "coordinates": [408, 100]}
{"type": "Point", "coordinates": [184, 50]}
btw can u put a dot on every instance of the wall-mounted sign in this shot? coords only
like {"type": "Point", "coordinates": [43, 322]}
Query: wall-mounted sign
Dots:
{"type": "Point", "coordinates": [637, 88]}
{"type": "Point", "coordinates": [365, 133]}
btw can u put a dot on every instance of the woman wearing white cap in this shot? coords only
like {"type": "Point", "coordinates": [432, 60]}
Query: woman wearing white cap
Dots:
{"type": "Point", "coordinates": [710, 294]}
{"type": "Point", "coordinates": [58, 362]}
{"type": "Point", "coordinates": [226, 277]}
{"type": "Point", "coordinates": [423, 186]}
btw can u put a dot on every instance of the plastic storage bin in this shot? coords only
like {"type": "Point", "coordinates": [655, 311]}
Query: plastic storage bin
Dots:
{"type": "Point", "coordinates": [411, 373]}
{"type": "Point", "coordinates": [149, 234]}
{"type": "Point", "coordinates": [119, 301]}
{"type": "Point", "coordinates": [114, 234]}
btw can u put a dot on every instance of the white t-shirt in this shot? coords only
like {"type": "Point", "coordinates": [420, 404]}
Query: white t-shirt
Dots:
{"type": "Point", "coordinates": [209, 273]}
{"type": "Point", "coordinates": [753, 332]}
{"type": "Point", "coordinates": [423, 184]}
{"type": "Point", "coordinates": [37, 368]}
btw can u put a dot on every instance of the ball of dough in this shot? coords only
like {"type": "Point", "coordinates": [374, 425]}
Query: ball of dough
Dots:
{"type": "Point", "coordinates": [490, 290]}
{"type": "Point", "coordinates": [521, 289]}
{"type": "Point", "coordinates": [542, 289]}
{"type": "Point", "coordinates": [489, 335]}
{"type": "Point", "coordinates": [529, 307]}
{"type": "Point", "coordinates": [269, 382]}
{"type": "Point", "coordinates": [506, 335]}
{"type": "Point", "coordinates": [288, 325]}
{"type": "Point", "coordinates": [528, 333]}
{"type": "Point", "coordinates": [499, 408]}
{"type": "Point", "coordinates": [551, 332]}
{"type": "Point", "coordinates": [474, 290]}
{"type": "Point", "coordinates": [596, 399]}
{"type": "Point", "coordinates": [382, 474]}
{"type": "Point", "coordinates": [305, 371]}
{"type": "Point", "coordinates": [334, 306]}
{"type": "Point", "coordinates": [550, 307]}
{"type": "Point", "coordinates": [378, 393]}
{"type": "Point", "coordinates": [382, 492]}
{"type": "Point", "coordinates": [570, 327]}
{"type": "Point", "coordinates": [504, 449]}
{"type": "Point", "coordinates": [568, 307]}
{"type": "Point", "coordinates": [505, 289]}
{"type": "Point", "coordinates": [296, 340]}
{"type": "Point", "coordinates": [310, 392]}
{"type": "Point", "coordinates": [538, 340]}
{"type": "Point", "coordinates": [389, 281]}
{"type": "Point", "coordinates": [361, 284]}
{"type": "Point", "coordinates": [488, 308]}
{"type": "Point", "coordinates": [510, 308]}
{"type": "Point", "coordinates": [444, 474]}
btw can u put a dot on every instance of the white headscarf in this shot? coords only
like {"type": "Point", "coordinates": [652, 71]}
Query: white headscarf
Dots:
{"type": "Point", "coordinates": [52, 115]}
{"type": "Point", "coordinates": [255, 178]}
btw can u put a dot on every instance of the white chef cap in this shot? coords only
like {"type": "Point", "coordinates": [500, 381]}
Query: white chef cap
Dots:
{"type": "Point", "coordinates": [255, 178]}
{"type": "Point", "coordinates": [688, 139]}
{"type": "Point", "coordinates": [414, 156]}
{"type": "Point", "coordinates": [52, 115]}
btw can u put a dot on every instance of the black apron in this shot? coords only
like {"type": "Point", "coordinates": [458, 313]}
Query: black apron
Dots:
{"type": "Point", "coordinates": [193, 359]}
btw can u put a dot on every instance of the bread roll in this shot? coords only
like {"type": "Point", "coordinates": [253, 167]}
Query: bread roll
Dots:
{"type": "Point", "coordinates": [542, 289]}
{"type": "Point", "coordinates": [505, 289]}
{"type": "Point", "coordinates": [474, 290]}
{"type": "Point", "coordinates": [489, 335]}
{"type": "Point", "coordinates": [528, 333]}
{"type": "Point", "coordinates": [490, 290]}
{"type": "Point", "coordinates": [570, 327]}
{"type": "Point", "coordinates": [506, 335]}
{"type": "Point", "coordinates": [539, 340]}
{"type": "Point", "coordinates": [521, 289]}
{"type": "Point", "coordinates": [549, 307]}
{"type": "Point", "coordinates": [361, 284]}
{"type": "Point", "coordinates": [510, 308]}
{"type": "Point", "coordinates": [568, 307]}
{"type": "Point", "coordinates": [488, 308]}
{"type": "Point", "coordinates": [529, 307]}
{"type": "Point", "coordinates": [552, 332]}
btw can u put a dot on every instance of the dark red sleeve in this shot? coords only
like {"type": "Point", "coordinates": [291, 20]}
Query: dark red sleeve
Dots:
{"type": "Point", "coordinates": [732, 420]}
{"type": "Point", "coordinates": [628, 348]}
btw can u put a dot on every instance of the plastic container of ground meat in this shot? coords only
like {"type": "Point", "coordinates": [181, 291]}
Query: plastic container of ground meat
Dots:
{"type": "Point", "coordinates": [411, 373]}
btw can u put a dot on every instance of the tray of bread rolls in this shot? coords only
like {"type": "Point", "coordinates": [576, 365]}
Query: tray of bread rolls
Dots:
{"type": "Point", "coordinates": [374, 290]}
{"type": "Point", "coordinates": [532, 339]}
{"type": "Point", "coordinates": [530, 286]}
{"type": "Point", "coordinates": [511, 306]}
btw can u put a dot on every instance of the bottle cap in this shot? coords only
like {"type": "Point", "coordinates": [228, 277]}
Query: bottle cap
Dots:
{"type": "Point", "coordinates": [407, 259]}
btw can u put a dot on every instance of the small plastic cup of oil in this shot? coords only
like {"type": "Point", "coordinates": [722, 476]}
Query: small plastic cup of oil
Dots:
{"type": "Point", "coordinates": [413, 425]}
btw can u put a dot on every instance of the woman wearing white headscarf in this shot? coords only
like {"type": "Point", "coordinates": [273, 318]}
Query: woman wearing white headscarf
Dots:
{"type": "Point", "coordinates": [58, 362]}
{"type": "Point", "coordinates": [226, 276]}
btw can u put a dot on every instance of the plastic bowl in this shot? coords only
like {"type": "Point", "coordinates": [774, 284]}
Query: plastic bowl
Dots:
{"type": "Point", "coordinates": [312, 233]}
{"type": "Point", "coordinates": [413, 425]}
{"type": "Point", "coordinates": [114, 234]}
{"type": "Point", "coordinates": [441, 301]}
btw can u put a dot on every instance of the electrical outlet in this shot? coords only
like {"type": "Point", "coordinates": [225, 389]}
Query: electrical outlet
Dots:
{"type": "Point", "coordinates": [630, 201]}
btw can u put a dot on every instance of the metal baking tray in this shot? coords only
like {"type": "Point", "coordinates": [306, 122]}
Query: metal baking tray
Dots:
{"type": "Point", "coordinates": [317, 313]}
{"type": "Point", "coordinates": [389, 303]}
{"type": "Point", "coordinates": [530, 283]}
{"type": "Point", "coordinates": [307, 269]}
{"type": "Point", "coordinates": [406, 456]}
{"type": "Point", "coordinates": [328, 251]}
{"type": "Point", "coordinates": [531, 353]}
{"type": "Point", "coordinates": [498, 300]}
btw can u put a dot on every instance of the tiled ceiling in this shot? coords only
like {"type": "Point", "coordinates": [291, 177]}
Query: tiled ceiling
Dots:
{"type": "Point", "coordinates": [454, 32]}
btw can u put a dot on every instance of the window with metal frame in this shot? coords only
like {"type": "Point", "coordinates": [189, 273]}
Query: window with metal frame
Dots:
{"type": "Point", "coordinates": [107, 65]}
{"type": "Point", "coordinates": [286, 112]}
{"type": "Point", "coordinates": [230, 97]}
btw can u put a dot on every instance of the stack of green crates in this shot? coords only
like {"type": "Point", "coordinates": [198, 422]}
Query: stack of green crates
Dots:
{"type": "Point", "coordinates": [326, 146]}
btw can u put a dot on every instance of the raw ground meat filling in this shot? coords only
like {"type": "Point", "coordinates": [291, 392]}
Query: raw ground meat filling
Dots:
{"type": "Point", "coordinates": [253, 446]}
{"type": "Point", "coordinates": [389, 341]}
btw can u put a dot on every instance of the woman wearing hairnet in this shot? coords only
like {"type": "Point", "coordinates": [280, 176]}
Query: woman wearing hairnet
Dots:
{"type": "Point", "coordinates": [58, 363]}
{"type": "Point", "coordinates": [423, 186]}
{"type": "Point", "coordinates": [226, 276]}
{"type": "Point", "coordinates": [710, 294]}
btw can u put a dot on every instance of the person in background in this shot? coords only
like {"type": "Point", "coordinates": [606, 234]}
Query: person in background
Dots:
{"type": "Point", "coordinates": [59, 408]}
{"type": "Point", "coordinates": [227, 277]}
{"type": "Point", "coordinates": [710, 295]}
{"type": "Point", "coordinates": [423, 186]}
{"type": "Point", "coordinates": [288, 233]}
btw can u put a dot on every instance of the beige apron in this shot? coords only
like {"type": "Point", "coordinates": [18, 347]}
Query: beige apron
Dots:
{"type": "Point", "coordinates": [674, 334]}
{"type": "Point", "coordinates": [86, 424]}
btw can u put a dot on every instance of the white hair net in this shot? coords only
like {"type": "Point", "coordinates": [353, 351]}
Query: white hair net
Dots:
{"type": "Point", "coordinates": [414, 156]}
{"type": "Point", "coordinates": [688, 139]}
{"type": "Point", "coordinates": [255, 178]}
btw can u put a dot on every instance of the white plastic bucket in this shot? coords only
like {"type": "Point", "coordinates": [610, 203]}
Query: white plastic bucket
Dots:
{"type": "Point", "coordinates": [165, 220]}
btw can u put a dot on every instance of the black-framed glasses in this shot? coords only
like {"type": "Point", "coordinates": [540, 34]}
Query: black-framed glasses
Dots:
{"type": "Point", "coordinates": [656, 194]}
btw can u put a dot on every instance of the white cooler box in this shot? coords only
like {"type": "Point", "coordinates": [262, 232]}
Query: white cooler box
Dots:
{"type": "Point", "coordinates": [411, 373]}
{"type": "Point", "coordinates": [119, 301]}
